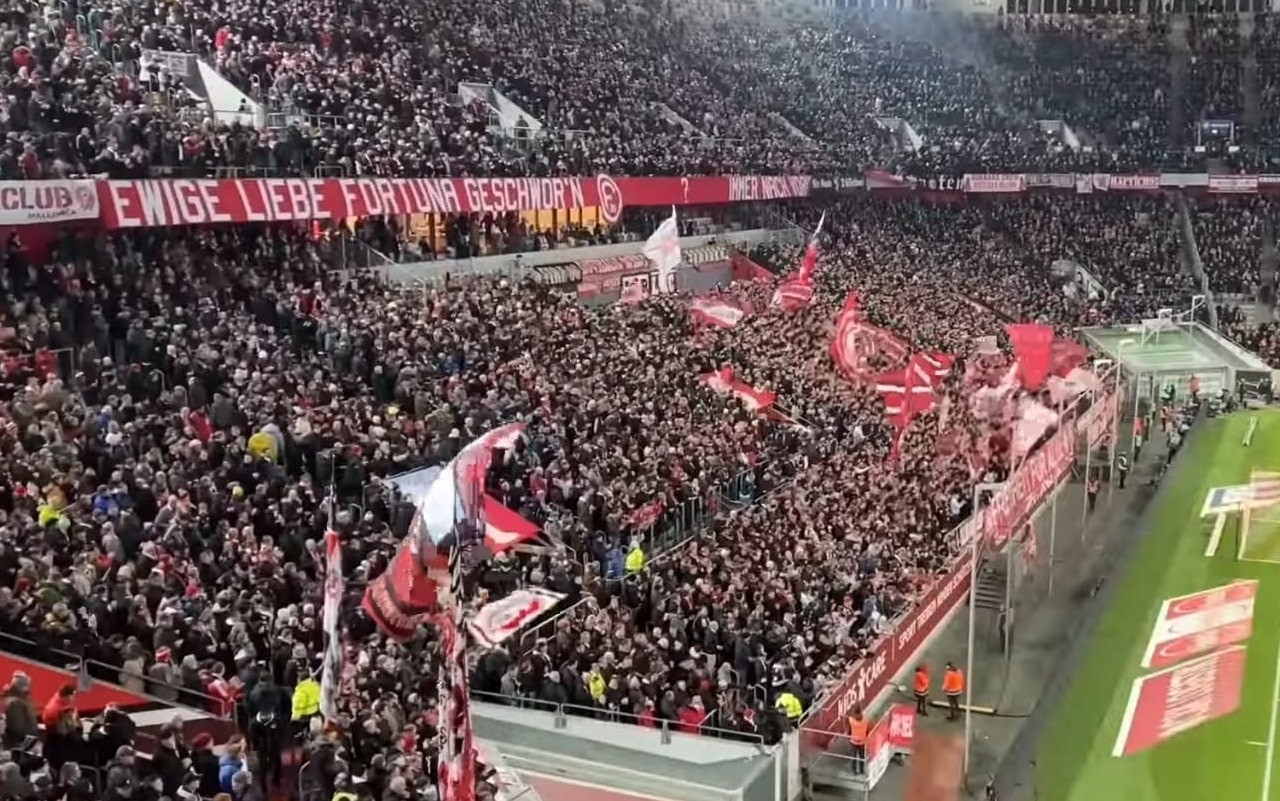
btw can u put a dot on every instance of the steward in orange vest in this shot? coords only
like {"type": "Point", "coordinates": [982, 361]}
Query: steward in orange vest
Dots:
{"type": "Point", "coordinates": [921, 688]}
{"type": "Point", "coordinates": [953, 686]}
{"type": "Point", "coordinates": [859, 730]}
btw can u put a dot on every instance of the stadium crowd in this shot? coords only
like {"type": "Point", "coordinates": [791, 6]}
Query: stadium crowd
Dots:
{"type": "Point", "coordinates": [186, 410]}
{"type": "Point", "coordinates": [357, 89]}
{"type": "Point", "coordinates": [146, 527]}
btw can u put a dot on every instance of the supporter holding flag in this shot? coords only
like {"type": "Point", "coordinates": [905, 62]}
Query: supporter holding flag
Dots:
{"type": "Point", "coordinates": [794, 293]}
{"type": "Point", "coordinates": [663, 249]}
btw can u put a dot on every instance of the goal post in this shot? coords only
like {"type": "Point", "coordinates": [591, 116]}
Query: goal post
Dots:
{"type": "Point", "coordinates": [1260, 517]}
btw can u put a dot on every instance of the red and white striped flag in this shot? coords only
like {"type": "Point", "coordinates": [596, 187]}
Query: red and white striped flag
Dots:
{"type": "Point", "coordinates": [331, 677]}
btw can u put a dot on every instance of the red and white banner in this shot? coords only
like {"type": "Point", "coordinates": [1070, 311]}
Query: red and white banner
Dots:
{"type": "Point", "coordinates": [716, 312]}
{"type": "Point", "coordinates": [891, 655]}
{"type": "Point", "coordinates": [35, 202]}
{"type": "Point", "coordinates": [334, 587]}
{"type": "Point", "coordinates": [1233, 184]}
{"type": "Point", "coordinates": [163, 202]}
{"type": "Point", "coordinates": [856, 342]}
{"type": "Point", "coordinates": [792, 295]}
{"type": "Point", "coordinates": [724, 382]}
{"type": "Point", "coordinates": [1171, 701]}
{"type": "Point", "coordinates": [879, 751]}
{"type": "Point", "coordinates": [995, 182]}
{"type": "Point", "coordinates": [499, 620]}
{"type": "Point", "coordinates": [1203, 621]}
{"type": "Point", "coordinates": [1098, 421]}
{"type": "Point", "coordinates": [1021, 495]}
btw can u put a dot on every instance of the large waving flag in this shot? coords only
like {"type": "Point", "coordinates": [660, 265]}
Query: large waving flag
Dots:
{"type": "Point", "coordinates": [724, 382]}
{"type": "Point", "coordinates": [663, 249]}
{"type": "Point", "coordinates": [907, 393]}
{"type": "Point", "coordinates": [1033, 346]}
{"type": "Point", "coordinates": [496, 621]}
{"type": "Point", "coordinates": [716, 312]}
{"type": "Point", "coordinates": [794, 293]}
{"type": "Point", "coordinates": [856, 342]}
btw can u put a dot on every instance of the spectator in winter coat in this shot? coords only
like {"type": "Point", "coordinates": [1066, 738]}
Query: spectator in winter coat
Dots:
{"type": "Point", "coordinates": [19, 711]}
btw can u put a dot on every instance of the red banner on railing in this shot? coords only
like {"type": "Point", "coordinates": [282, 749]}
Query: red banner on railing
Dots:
{"type": "Point", "coordinates": [995, 182]}
{"type": "Point", "coordinates": [1021, 495]}
{"type": "Point", "coordinates": [145, 203]}
{"type": "Point", "coordinates": [872, 674]}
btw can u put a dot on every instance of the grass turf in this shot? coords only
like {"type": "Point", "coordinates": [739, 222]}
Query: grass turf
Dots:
{"type": "Point", "coordinates": [1214, 761]}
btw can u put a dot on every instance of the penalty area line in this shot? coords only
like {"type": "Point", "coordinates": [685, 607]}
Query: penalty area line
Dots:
{"type": "Point", "coordinates": [1215, 538]}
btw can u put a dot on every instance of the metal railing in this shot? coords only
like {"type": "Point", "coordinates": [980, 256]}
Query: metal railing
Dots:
{"type": "Point", "coordinates": [661, 726]}
{"type": "Point", "coordinates": [64, 660]}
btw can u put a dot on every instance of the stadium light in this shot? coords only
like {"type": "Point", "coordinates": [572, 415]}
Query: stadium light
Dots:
{"type": "Point", "coordinates": [978, 489]}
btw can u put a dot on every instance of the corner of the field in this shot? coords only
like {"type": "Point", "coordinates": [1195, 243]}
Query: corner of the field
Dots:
{"type": "Point", "coordinates": [1093, 747]}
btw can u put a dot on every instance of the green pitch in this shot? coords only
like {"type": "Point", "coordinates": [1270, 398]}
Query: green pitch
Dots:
{"type": "Point", "coordinates": [1228, 759]}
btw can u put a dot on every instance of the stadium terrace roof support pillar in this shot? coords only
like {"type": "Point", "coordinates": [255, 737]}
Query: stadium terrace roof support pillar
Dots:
{"type": "Point", "coordinates": [974, 562]}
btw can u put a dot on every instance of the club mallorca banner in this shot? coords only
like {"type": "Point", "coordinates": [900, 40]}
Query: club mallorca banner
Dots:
{"type": "Point", "coordinates": [35, 202]}
{"type": "Point", "coordinates": [149, 203]}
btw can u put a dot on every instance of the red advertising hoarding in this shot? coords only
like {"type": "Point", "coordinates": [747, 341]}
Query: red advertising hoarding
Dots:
{"type": "Point", "coordinates": [1021, 495]}
{"type": "Point", "coordinates": [147, 203]}
{"type": "Point", "coordinates": [1200, 622]}
{"type": "Point", "coordinates": [1171, 701]}
{"type": "Point", "coordinates": [872, 674]}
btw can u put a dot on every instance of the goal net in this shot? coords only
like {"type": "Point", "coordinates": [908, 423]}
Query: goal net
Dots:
{"type": "Point", "coordinates": [1260, 518]}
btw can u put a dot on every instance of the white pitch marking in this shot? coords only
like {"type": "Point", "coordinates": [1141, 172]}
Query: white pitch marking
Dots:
{"type": "Point", "coordinates": [1271, 729]}
{"type": "Point", "coordinates": [1257, 743]}
{"type": "Point", "coordinates": [1216, 537]}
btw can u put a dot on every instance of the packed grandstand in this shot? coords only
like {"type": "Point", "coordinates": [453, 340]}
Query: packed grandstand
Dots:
{"type": "Point", "coordinates": [209, 387]}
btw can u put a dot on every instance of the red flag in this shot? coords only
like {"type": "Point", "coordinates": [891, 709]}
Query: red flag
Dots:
{"type": "Point", "coordinates": [724, 382]}
{"type": "Point", "coordinates": [1066, 356]}
{"type": "Point", "coordinates": [809, 265]}
{"type": "Point", "coordinates": [1033, 345]}
{"type": "Point", "coordinates": [907, 393]}
{"type": "Point", "coordinates": [717, 312]}
{"type": "Point", "coordinates": [793, 295]}
{"type": "Point", "coordinates": [796, 292]}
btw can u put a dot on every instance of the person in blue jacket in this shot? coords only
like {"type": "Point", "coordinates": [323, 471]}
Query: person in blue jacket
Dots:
{"type": "Point", "coordinates": [231, 763]}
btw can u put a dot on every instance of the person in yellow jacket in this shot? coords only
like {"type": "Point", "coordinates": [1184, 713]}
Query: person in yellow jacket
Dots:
{"type": "Point", "coordinates": [635, 559]}
{"type": "Point", "coordinates": [306, 699]}
{"type": "Point", "coordinates": [596, 685]}
{"type": "Point", "coordinates": [790, 706]}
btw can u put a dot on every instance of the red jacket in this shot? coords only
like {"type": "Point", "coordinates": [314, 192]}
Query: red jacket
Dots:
{"type": "Point", "coordinates": [691, 719]}
{"type": "Point", "coordinates": [646, 718]}
{"type": "Point", "coordinates": [53, 710]}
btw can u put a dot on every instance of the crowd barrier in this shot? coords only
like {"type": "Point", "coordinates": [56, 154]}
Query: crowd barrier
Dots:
{"type": "Point", "coordinates": [565, 713]}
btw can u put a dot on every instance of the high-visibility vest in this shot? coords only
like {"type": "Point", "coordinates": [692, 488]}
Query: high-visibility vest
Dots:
{"type": "Point", "coordinates": [858, 730]}
{"type": "Point", "coordinates": [635, 560]}
{"type": "Point", "coordinates": [922, 682]}
{"type": "Point", "coordinates": [790, 706]}
{"type": "Point", "coordinates": [953, 682]}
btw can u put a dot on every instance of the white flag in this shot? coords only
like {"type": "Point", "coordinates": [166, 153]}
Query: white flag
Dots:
{"type": "Point", "coordinates": [663, 249]}
{"type": "Point", "coordinates": [498, 620]}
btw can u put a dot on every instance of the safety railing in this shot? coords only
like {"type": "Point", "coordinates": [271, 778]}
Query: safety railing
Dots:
{"type": "Point", "coordinates": [663, 727]}
{"type": "Point", "coordinates": [155, 691]}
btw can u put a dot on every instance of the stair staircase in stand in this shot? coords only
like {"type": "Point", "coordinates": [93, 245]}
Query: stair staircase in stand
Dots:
{"type": "Point", "coordinates": [992, 581]}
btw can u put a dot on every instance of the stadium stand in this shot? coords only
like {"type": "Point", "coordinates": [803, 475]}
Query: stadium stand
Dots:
{"type": "Point", "coordinates": [188, 409]}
